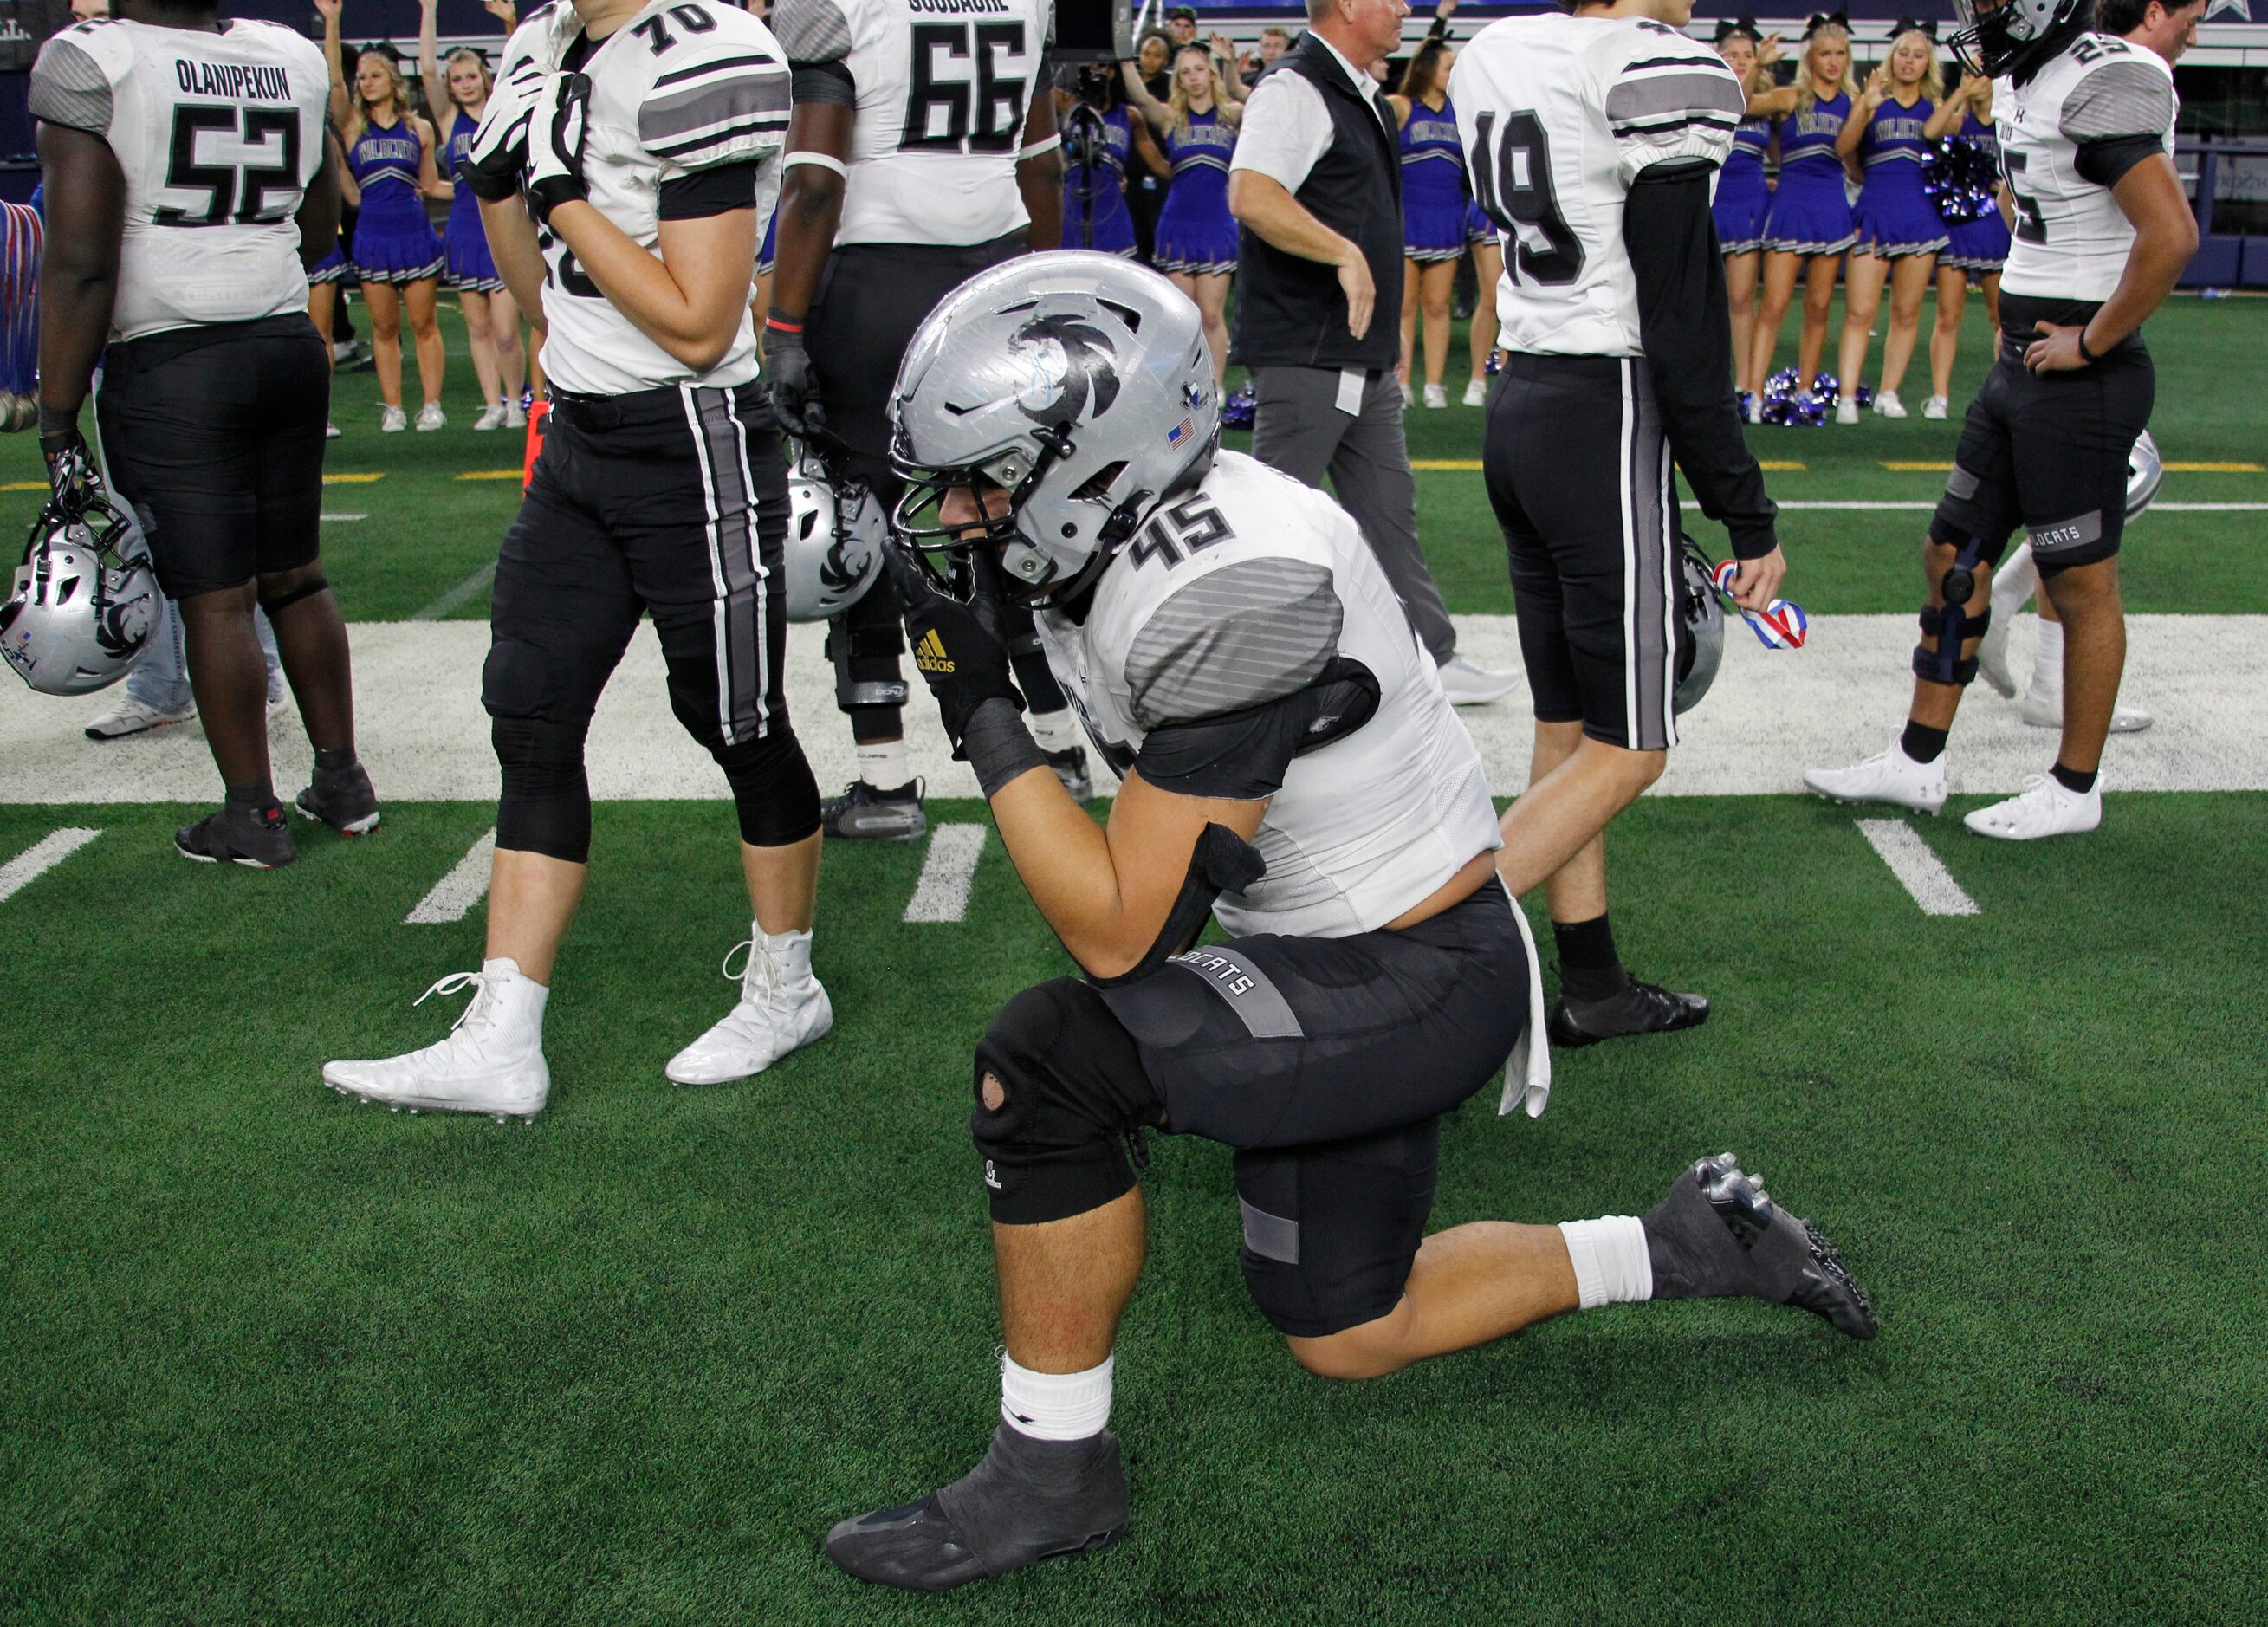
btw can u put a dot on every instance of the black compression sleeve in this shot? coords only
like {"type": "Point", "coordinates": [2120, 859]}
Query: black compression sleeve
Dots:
{"type": "Point", "coordinates": [2106, 162]}
{"type": "Point", "coordinates": [1238, 756]}
{"type": "Point", "coordinates": [1685, 325]}
{"type": "Point", "coordinates": [718, 191]}
{"type": "Point", "coordinates": [823, 82]}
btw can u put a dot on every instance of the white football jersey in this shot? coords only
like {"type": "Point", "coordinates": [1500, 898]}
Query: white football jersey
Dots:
{"type": "Point", "coordinates": [1238, 592]}
{"type": "Point", "coordinates": [219, 136]}
{"type": "Point", "coordinates": [687, 86]}
{"type": "Point", "coordinates": [943, 87]}
{"type": "Point", "coordinates": [2071, 239]}
{"type": "Point", "coordinates": [1559, 114]}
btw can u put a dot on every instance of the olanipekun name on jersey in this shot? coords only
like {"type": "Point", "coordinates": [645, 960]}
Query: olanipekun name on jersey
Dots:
{"type": "Point", "coordinates": [958, 8]}
{"type": "Point", "coordinates": [236, 81]}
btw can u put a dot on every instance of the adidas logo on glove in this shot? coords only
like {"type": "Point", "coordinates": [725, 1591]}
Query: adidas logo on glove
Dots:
{"type": "Point", "coordinates": [930, 655]}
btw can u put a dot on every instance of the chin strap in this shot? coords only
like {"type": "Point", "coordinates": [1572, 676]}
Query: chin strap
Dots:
{"type": "Point", "coordinates": [1527, 1071]}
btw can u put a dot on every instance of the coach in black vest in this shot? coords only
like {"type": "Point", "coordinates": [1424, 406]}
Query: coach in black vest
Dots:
{"type": "Point", "coordinates": [1316, 184]}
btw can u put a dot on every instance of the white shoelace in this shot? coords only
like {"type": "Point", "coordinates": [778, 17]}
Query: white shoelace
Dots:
{"type": "Point", "coordinates": [759, 979]}
{"type": "Point", "coordinates": [456, 983]}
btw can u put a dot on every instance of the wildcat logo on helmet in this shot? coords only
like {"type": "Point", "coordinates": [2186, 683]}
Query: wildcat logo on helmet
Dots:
{"type": "Point", "coordinates": [1068, 360]}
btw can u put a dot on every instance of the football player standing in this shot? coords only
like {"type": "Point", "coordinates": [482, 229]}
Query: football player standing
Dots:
{"type": "Point", "coordinates": [645, 141]}
{"type": "Point", "coordinates": [1292, 764]}
{"type": "Point", "coordinates": [1593, 140]}
{"type": "Point", "coordinates": [2102, 232]}
{"type": "Point", "coordinates": [188, 186]}
{"type": "Point", "coordinates": [921, 152]}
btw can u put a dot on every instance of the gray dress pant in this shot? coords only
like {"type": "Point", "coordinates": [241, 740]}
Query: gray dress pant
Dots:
{"type": "Point", "coordinates": [1299, 429]}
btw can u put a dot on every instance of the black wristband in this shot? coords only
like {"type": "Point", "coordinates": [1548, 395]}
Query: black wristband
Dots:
{"type": "Point", "coordinates": [56, 421]}
{"type": "Point", "coordinates": [2085, 354]}
{"type": "Point", "coordinates": [999, 746]}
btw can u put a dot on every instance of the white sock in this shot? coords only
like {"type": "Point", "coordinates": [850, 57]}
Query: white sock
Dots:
{"type": "Point", "coordinates": [790, 952]}
{"type": "Point", "coordinates": [1055, 1406]}
{"type": "Point", "coordinates": [2047, 658]}
{"type": "Point", "coordinates": [2013, 581]}
{"type": "Point", "coordinates": [882, 763]}
{"type": "Point", "coordinates": [1612, 1265]}
{"type": "Point", "coordinates": [1057, 731]}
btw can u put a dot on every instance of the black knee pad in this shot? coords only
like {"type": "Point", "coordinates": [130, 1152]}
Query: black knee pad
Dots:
{"type": "Point", "coordinates": [545, 804]}
{"type": "Point", "coordinates": [772, 788]}
{"type": "Point", "coordinates": [864, 647]}
{"type": "Point", "coordinates": [1074, 1093]}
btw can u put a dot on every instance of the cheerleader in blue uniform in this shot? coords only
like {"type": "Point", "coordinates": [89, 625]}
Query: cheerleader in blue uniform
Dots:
{"type": "Point", "coordinates": [1975, 249]}
{"type": "Point", "coordinates": [390, 171]}
{"type": "Point", "coordinates": [323, 279]}
{"type": "Point", "coordinates": [1743, 197]}
{"type": "Point", "coordinates": [1196, 235]}
{"type": "Point", "coordinates": [1810, 224]}
{"type": "Point", "coordinates": [1435, 207]}
{"type": "Point", "coordinates": [1488, 274]}
{"type": "Point", "coordinates": [1899, 232]}
{"type": "Point", "coordinates": [491, 318]}
{"type": "Point", "coordinates": [1094, 212]}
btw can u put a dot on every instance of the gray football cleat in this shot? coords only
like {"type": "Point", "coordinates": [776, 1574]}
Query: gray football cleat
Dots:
{"type": "Point", "coordinates": [1718, 1235]}
{"type": "Point", "coordinates": [863, 813]}
{"type": "Point", "coordinates": [342, 798]}
{"type": "Point", "coordinates": [1029, 1500]}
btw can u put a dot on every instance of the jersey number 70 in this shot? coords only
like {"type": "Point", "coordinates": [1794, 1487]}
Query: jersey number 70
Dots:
{"type": "Point", "coordinates": [1512, 178]}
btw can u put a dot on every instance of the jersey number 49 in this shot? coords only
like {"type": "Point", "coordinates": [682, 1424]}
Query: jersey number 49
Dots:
{"type": "Point", "coordinates": [1512, 178]}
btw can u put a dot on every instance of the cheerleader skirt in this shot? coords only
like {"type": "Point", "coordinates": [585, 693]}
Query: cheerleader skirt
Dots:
{"type": "Point", "coordinates": [1810, 215]}
{"type": "Point", "coordinates": [330, 269]}
{"type": "Point", "coordinates": [1741, 204]}
{"type": "Point", "coordinates": [1894, 218]}
{"type": "Point", "coordinates": [1198, 241]}
{"type": "Point", "coordinates": [1980, 244]}
{"type": "Point", "coordinates": [766, 254]}
{"type": "Point", "coordinates": [467, 264]}
{"type": "Point", "coordinates": [1434, 223]}
{"type": "Point", "coordinates": [396, 244]}
{"type": "Point", "coordinates": [1478, 227]}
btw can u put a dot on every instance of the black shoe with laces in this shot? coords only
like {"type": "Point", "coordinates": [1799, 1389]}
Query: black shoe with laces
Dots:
{"type": "Point", "coordinates": [341, 799]}
{"type": "Point", "coordinates": [1718, 1235]}
{"type": "Point", "coordinates": [1070, 765]}
{"type": "Point", "coordinates": [243, 833]}
{"type": "Point", "coordinates": [1636, 1007]}
{"type": "Point", "coordinates": [863, 813]}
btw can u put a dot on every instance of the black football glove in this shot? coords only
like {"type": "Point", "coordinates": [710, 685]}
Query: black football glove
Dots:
{"type": "Point", "coordinates": [788, 366]}
{"type": "Point", "coordinates": [71, 466]}
{"type": "Point", "coordinates": [957, 647]}
{"type": "Point", "coordinates": [557, 138]}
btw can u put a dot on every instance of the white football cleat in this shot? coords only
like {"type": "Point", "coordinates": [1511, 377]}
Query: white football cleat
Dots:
{"type": "Point", "coordinates": [2045, 807]}
{"type": "Point", "coordinates": [2044, 709]}
{"type": "Point", "coordinates": [1469, 684]}
{"type": "Point", "coordinates": [1934, 406]}
{"type": "Point", "coordinates": [430, 418]}
{"type": "Point", "coordinates": [1846, 411]}
{"type": "Point", "coordinates": [781, 1008]}
{"type": "Point", "coordinates": [1888, 775]}
{"type": "Point", "coordinates": [132, 716]}
{"type": "Point", "coordinates": [1436, 395]}
{"type": "Point", "coordinates": [1477, 393]}
{"type": "Point", "coordinates": [1888, 404]}
{"type": "Point", "coordinates": [491, 416]}
{"type": "Point", "coordinates": [491, 1062]}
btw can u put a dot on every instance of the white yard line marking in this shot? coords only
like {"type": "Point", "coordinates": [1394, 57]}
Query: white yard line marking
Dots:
{"type": "Point", "coordinates": [947, 874]}
{"type": "Point", "coordinates": [463, 593]}
{"type": "Point", "coordinates": [1918, 868]}
{"type": "Point", "coordinates": [41, 857]}
{"type": "Point", "coordinates": [456, 893]}
{"type": "Point", "coordinates": [336, 519]}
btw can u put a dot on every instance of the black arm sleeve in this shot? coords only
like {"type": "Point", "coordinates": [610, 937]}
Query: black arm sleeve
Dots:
{"type": "Point", "coordinates": [823, 82]}
{"type": "Point", "coordinates": [2106, 162]}
{"type": "Point", "coordinates": [718, 191]}
{"type": "Point", "coordinates": [1686, 326]}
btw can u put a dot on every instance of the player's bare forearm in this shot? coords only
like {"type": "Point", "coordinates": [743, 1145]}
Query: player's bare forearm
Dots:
{"type": "Point", "coordinates": [78, 268]}
{"type": "Point", "coordinates": [1106, 891]}
{"type": "Point", "coordinates": [518, 257]}
{"type": "Point", "coordinates": [690, 300]}
{"type": "Point", "coordinates": [2165, 237]}
{"type": "Point", "coordinates": [1262, 202]}
{"type": "Point", "coordinates": [810, 204]}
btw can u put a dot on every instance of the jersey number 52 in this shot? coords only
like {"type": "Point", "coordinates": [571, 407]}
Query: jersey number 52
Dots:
{"type": "Point", "coordinates": [975, 106]}
{"type": "Point", "coordinates": [1512, 178]}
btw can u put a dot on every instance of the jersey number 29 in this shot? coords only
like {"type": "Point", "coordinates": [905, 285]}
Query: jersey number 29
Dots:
{"type": "Point", "coordinates": [1512, 178]}
{"type": "Point", "coordinates": [982, 112]}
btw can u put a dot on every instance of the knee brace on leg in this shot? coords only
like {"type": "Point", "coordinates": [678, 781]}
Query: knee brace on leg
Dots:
{"type": "Point", "coordinates": [1952, 625]}
{"type": "Point", "coordinates": [772, 788]}
{"type": "Point", "coordinates": [867, 678]}
{"type": "Point", "coordinates": [545, 804]}
{"type": "Point", "coordinates": [1066, 1092]}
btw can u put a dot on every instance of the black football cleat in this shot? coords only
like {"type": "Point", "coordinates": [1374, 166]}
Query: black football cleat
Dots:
{"type": "Point", "coordinates": [1718, 1235]}
{"type": "Point", "coordinates": [1070, 765]}
{"type": "Point", "coordinates": [866, 813]}
{"type": "Point", "coordinates": [1029, 1500]}
{"type": "Point", "coordinates": [1637, 1007]}
{"type": "Point", "coordinates": [241, 832]}
{"type": "Point", "coordinates": [341, 799]}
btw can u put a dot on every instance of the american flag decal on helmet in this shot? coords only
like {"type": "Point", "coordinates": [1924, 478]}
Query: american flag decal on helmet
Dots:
{"type": "Point", "coordinates": [1180, 432]}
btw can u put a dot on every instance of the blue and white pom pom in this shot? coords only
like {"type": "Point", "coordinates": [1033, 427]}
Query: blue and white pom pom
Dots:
{"type": "Point", "coordinates": [1961, 178]}
{"type": "Point", "coordinates": [1780, 625]}
{"type": "Point", "coordinates": [1239, 410]}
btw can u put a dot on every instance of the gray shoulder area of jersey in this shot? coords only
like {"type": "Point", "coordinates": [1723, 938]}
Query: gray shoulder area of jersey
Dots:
{"type": "Point", "coordinates": [705, 106]}
{"type": "Point", "coordinates": [1670, 80]}
{"type": "Point", "coordinates": [811, 31]}
{"type": "Point", "coordinates": [2129, 96]}
{"type": "Point", "coordinates": [1253, 631]}
{"type": "Point", "coordinates": [70, 88]}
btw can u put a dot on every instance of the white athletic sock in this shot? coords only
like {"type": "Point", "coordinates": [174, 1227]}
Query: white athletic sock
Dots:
{"type": "Point", "coordinates": [1055, 1406]}
{"type": "Point", "coordinates": [882, 764]}
{"type": "Point", "coordinates": [2047, 658]}
{"type": "Point", "coordinates": [790, 953]}
{"type": "Point", "coordinates": [1612, 1265]}
{"type": "Point", "coordinates": [1056, 731]}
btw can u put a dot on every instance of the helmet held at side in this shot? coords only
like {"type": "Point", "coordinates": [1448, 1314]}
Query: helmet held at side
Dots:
{"type": "Point", "coordinates": [835, 540]}
{"type": "Point", "coordinates": [85, 598]}
{"type": "Point", "coordinates": [2145, 472]}
{"type": "Point", "coordinates": [1700, 628]}
{"type": "Point", "coordinates": [1079, 384]}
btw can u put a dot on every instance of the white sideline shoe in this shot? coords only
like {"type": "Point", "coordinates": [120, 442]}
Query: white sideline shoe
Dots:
{"type": "Point", "coordinates": [1888, 404]}
{"type": "Point", "coordinates": [1888, 775]}
{"type": "Point", "coordinates": [491, 1062]}
{"type": "Point", "coordinates": [430, 418]}
{"type": "Point", "coordinates": [781, 1008]}
{"type": "Point", "coordinates": [132, 716]}
{"type": "Point", "coordinates": [2044, 709]}
{"type": "Point", "coordinates": [491, 417]}
{"type": "Point", "coordinates": [1477, 393]}
{"type": "Point", "coordinates": [1467, 684]}
{"type": "Point", "coordinates": [2045, 807]}
{"type": "Point", "coordinates": [393, 421]}
{"type": "Point", "coordinates": [1846, 411]}
{"type": "Point", "coordinates": [1934, 406]}
{"type": "Point", "coordinates": [515, 416]}
{"type": "Point", "coordinates": [1436, 395]}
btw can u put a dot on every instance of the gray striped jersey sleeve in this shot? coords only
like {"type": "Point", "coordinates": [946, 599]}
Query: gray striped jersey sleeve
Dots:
{"type": "Point", "coordinates": [723, 111]}
{"type": "Point", "coordinates": [2128, 98]}
{"type": "Point", "coordinates": [69, 87]}
{"type": "Point", "coordinates": [811, 31]}
{"type": "Point", "coordinates": [1249, 633]}
{"type": "Point", "coordinates": [1672, 103]}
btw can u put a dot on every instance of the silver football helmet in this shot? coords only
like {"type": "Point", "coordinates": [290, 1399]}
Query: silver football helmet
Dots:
{"type": "Point", "coordinates": [2012, 36]}
{"type": "Point", "coordinates": [1078, 384]}
{"type": "Point", "coordinates": [2145, 472]}
{"type": "Point", "coordinates": [85, 598]}
{"type": "Point", "coordinates": [1701, 630]}
{"type": "Point", "coordinates": [834, 545]}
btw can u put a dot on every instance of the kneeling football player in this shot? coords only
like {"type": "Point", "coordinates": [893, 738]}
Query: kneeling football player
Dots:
{"type": "Point", "coordinates": [1292, 765]}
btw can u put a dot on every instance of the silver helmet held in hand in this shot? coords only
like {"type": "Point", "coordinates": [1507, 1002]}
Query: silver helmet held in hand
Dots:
{"type": "Point", "coordinates": [835, 538]}
{"type": "Point", "coordinates": [85, 598]}
{"type": "Point", "coordinates": [1700, 628]}
{"type": "Point", "coordinates": [2145, 472]}
{"type": "Point", "coordinates": [1079, 384]}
